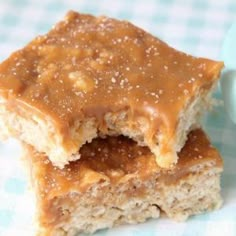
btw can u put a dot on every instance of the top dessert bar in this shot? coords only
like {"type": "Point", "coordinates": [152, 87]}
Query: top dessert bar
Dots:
{"type": "Point", "coordinates": [97, 76]}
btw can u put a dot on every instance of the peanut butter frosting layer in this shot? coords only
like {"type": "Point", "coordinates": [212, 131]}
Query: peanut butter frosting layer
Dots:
{"type": "Point", "coordinates": [116, 160]}
{"type": "Point", "coordinates": [88, 66]}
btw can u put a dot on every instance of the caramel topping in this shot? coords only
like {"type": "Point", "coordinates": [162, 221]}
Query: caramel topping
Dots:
{"type": "Point", "coordinates": [115, 159]}
{"type": "Point", "coordinates": [87, 66]}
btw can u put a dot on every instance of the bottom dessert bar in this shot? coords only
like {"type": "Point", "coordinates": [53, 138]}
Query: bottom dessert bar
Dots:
{"type": "Point", "coordinates": [118, 182]}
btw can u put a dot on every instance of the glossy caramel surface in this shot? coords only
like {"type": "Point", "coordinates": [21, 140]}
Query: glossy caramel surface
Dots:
{"type": "Point", "coordinates": [87, 66]}
{"type": "Point", "coordinates": [116, 159]}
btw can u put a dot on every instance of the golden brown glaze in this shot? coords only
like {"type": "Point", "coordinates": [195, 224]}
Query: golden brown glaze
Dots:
{"type": "Point", "coordinates": [87, 66]}
{"type": "Point", "coordinates": [116, 159]}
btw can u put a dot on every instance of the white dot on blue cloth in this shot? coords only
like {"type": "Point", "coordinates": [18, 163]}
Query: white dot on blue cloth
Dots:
{"type": "Point", "coordinates": [15, 186]}
{"type": "Point", "coordinates": [5, 217]}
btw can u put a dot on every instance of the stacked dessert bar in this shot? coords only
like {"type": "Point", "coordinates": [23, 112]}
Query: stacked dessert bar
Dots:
{"type": "Point", "coordinates": [108, 116]}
